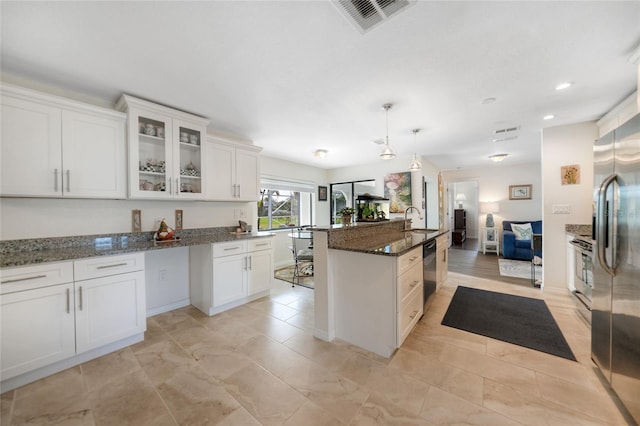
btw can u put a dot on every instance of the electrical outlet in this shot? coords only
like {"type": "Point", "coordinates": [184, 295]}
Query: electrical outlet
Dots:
{"type": "Point", "coordinates": [162, 276]}
{"type": "Point", "coordinates": [561, 209]}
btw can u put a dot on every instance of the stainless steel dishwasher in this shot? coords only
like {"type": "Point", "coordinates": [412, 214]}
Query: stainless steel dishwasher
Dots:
{"type": "Point", "coordinates": [428, 271]}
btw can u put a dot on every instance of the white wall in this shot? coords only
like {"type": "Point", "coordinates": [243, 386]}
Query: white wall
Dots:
{"type": "Point", "coordinates": [561, 146]}
{"type": "Point", "coordinates": [493, 186]}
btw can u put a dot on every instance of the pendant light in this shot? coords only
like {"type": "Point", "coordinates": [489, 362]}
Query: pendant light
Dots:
{"type": "Point", "coordinates": [416, 165]}
{"type": "Point", "coordinates": [387, 153]}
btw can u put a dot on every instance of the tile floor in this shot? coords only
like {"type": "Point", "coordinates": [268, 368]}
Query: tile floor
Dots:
{"type": "Point", "coordinates": [259, 365]}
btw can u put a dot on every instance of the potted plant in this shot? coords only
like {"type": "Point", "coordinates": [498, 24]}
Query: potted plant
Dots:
{"type": "Point", "coordinates": [346, 213]}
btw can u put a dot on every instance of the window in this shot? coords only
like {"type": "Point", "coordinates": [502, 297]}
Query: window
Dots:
{"type": "Point", "coordinates": [284, 204]}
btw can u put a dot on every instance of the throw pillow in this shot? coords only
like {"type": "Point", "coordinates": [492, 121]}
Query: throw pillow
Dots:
{"type": "Point", "coordinates": [522, 231]}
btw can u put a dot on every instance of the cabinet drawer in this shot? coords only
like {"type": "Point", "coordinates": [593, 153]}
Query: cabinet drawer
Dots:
{"type": "Point", "coordinates": [406, 261]}
{"type": "Point", "coordinates": [408, 282]}
{"type": "Point", "coordinates": [229, 249]}
{"type": "Point", "coordinates": [260, 244]}
{"type": "Point", "coordinates": [36, 276]}
{"type": "Point", "coordinates": [442, 241]}
{"type": "Point", "coordinates": [409, 315]}
{"type": "Point", "coordinates": [96, 267]}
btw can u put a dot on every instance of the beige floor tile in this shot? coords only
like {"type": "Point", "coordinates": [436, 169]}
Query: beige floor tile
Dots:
{"type": "Point", "coordinates": [586, 400]}
{"type": "Point", "coordinates": [163, 360]}
{"type": "Point", "coordinates": [443, 408]}
{"type": "Point", "coordinates": [153, 335]}
{"type": "Point", "coordinates": [303, 321]}
{"type": "Point", "coordinates": [311, 414]}
{"type": "Point", "coordinates": [195, 398]}
{"type": "Point", "coordinates": [444, 376]}
{"type": "Point", "coordinates": [57, 399]}
{"type": "Point", "coordinates": [266, 397]}
{"type": "Point", "coordinates": [304, 305]}
{"type": "Point", "coordinates": [248, 313]}
{"type": "Point", "coordinates": [220, 362]}
{"type": "Point", "coordinates": [453, 336]}
{"type": "Point", "coordinates": [109, 367]}
{"type": "Point", "coordinates": [191, 335]}
{"type": "Point", "coordinates": [129, 400]}
{"type": "Point", "coordinates": [232, 329]}
{"type": "Point", "coordinates": [270, 354]}
{"type": "Point", "coordinates": [240, 417]}
{"type": "Point", "coordinates": [399, 388]}
{"type": "Point", "coordinates": [379, 411]}
{"type": "Point", "coordinates": [276, 329]}
{"type": "Point", "coordinates": [531, 410]}
{"type": "Point", "coordinates": [274, 309]}
{"type": "Point", "coordinates": [503, 372]}
{"type": "Point", "coordinates": [332, 355]}
{"type": "Point", "coordinates": [330, 391]}
{"type": "Point", "coordinates": [174, 320]}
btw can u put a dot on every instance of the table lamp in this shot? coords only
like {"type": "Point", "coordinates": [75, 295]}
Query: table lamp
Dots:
{"type": "Point", "coordinates": [460, 198]}
{"type": "Point", "coordinates": [489, 209]}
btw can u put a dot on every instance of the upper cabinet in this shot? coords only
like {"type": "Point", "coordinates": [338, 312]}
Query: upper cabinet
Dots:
{"type": "Point", "coordinates": [56, 147]}
{"type": "Point", "coordinates": [233, 173]}
{"type": "Point", "coordinates": [165, 151]}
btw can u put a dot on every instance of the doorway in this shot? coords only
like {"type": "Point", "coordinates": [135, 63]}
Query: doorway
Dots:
{"type": "Point", "coordinates": [462, 210]}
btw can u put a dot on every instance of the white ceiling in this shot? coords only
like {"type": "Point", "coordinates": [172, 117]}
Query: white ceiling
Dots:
{"type": "Point", "coordinates": [295, 76]}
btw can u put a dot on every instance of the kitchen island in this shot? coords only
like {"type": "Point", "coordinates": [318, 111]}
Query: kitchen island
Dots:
{"type": "Point", "coordinates": [368, 283]}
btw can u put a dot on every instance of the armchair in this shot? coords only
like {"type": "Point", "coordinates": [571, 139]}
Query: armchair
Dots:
{"type": "Point", "coordinates": [519, 249]}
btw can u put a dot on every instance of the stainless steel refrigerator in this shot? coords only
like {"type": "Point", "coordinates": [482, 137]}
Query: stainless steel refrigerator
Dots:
{"type": "Point", "coordinates": [615, 322]}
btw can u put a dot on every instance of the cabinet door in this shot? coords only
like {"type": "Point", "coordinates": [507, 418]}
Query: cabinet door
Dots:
{"type": "Point", "coordinates": [220, 172]}
{"type": "Point", "coordinates": [93, 156]}
{"type": "Point", "coordinates": [109, 309]}
{"type": "Point", "coordinates": [37, 328]}
{"type": "Point", "coordinates": [260, 271]}
{"type": "Point", "coordinates": [31, 147]}
{"type": "Point", "coordinates": [247, 184]}
{"type": "Point", "coordinates": [229, 279]}
{"type": "Point", "coordinates": [188, 164]}
{"type": "Point", "coordinates": [150, 155]}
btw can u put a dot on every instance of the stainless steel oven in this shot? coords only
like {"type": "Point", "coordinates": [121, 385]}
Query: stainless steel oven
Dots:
{"type": "Point", "coordinates": [583, 275]}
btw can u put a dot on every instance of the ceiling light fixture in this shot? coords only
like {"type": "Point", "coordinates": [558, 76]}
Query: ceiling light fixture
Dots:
{"type": "Point", "coordinates": [416, 165]}
{"type": "Point", "coordinates": [387, 153]}
{"type": "Point", "coordinates": [549, 117]}
{"type": "Point", "coordinates": [498, 157]}
{"type": "Point", "coordinates": [564, 85]}
{"type": "Point", "coordinates": [320, 153]}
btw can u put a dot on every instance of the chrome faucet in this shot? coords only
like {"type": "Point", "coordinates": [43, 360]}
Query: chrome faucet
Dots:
{"type": "Point", "coordinates": [407, 211]}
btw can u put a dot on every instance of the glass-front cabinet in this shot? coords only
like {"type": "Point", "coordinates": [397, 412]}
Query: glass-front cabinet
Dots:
{"type": "Point", "coordinates": [165, 151]}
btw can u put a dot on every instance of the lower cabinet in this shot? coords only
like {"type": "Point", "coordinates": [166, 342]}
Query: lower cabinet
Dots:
{"type": "Point", "coordinates": [47, 317]}
{"type": "Point", "coordinates": [442, 259]}
{"type": "Point", "coordinates": [225, 275]}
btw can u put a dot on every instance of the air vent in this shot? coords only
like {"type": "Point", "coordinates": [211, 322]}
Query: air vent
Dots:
{"type": "Point", "coordinates": [507, 130]}
{"type": "Point", "coordinates": [366, 14]}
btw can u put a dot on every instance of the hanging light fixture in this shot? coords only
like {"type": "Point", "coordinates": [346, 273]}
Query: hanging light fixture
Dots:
{"type": "Point", "coordinates": [416, 165]}
{"type": "Point", "coordinates": [387, 153]}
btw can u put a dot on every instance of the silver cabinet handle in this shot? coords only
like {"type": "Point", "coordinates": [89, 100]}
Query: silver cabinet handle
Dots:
{"type": "Point", "coordinates": [249, 262]}
{"type": "Point", "coordinates": [177, 185]}
{"type": "Point", "coordinates": [232, 248]}
{"type": "Point", "coordinates": [15, 280]}
{"type": "Point", "coordinates": [112, 266]}
{"type": "Point", "coordinates": [413, 258]}
{"type": "Point", "coordinates": [80, 303]}
{"type": "Point", "coordinates": [68, 180]}
{"type": "Point", "coordinates": [262, 244]}
{"type": "Point", "coordinates": [239, 191]}
{"type": "Point", "coordinates": [55, 180]}
{"type": "Point", "coordinates": [234, 190]}
{"type": "Point", "coordinates": [413, 315]}
{"type": "Point", "coordinates": [170, 192]}
{"type": "Point", "coordinates": [68, 301]}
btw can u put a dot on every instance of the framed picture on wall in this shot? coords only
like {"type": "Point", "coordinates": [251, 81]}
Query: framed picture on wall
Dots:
{"type": "Point", "coordinates": [322, 193]}
{"type": "Point", "coordinates": [519, 192]}
{"type": "Point", "coordinates": [136, 221]}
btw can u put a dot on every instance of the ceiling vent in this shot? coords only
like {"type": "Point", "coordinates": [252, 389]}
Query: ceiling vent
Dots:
{"type": "Point", "coordinates": [507, 130]}
{"type": "Point", "coordinates": [366, 14]}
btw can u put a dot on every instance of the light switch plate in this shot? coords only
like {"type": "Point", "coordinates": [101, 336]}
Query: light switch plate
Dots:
{"type": "Point", "coordinates": [561, 209]}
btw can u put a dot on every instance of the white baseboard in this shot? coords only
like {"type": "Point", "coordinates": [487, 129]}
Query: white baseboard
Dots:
{"type": "Point", "coordinates": [167, 308]}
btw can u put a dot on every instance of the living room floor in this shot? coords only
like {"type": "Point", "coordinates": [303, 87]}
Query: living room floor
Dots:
{"type": "Point", "coordinates": [259, 364]}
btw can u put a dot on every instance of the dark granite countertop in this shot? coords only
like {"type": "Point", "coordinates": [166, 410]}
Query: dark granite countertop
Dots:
{"type": "Point", "coordinates": [391, 244]}
{"type": "Point", "coordinates": [578, 230]}
{"type": "Point", "coordinates": [41, 250]}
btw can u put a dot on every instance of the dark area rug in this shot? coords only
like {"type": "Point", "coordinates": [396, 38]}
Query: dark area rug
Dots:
{"type": "Point", "coordinates": [519, 320]}
{"type": "Point", "coordinates": [306, 278]}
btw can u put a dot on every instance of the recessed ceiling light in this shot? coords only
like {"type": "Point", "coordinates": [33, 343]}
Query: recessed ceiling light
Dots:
{"type": "Point", "coordinates": [549, 117]}
{"type": "Point", "coordinates": [487, 101]}
{"type": "Point", "coordinates": [498, 157]}
{"type": "Point", "coordinates": [320, 153]}
{"type": "Point", "coordinates": [564, 85]}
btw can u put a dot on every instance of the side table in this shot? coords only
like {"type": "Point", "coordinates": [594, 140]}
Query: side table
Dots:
{"type": "Point", "coordinates": [490, 241]}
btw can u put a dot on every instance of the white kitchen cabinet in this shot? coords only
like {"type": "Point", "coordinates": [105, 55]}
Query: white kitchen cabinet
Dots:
{"type": "Point", "coordinates": [442, 259]}
{"type": "Point", "coordinates": [51, 322]}
{"type": "Point", "coordinates": [233, 172]}
{"type": "Point", "coordinates": [37, 318]}
{"type": "Point", "coordinates": [55, 147]}
{"type": "Point", "coordinates": [229, 274]}
{"type": "Point", "coordinates": [165, 151]}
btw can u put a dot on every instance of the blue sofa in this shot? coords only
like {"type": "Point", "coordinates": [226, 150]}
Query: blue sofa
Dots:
{"type": "Point", "coordinates": [518, 249]}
